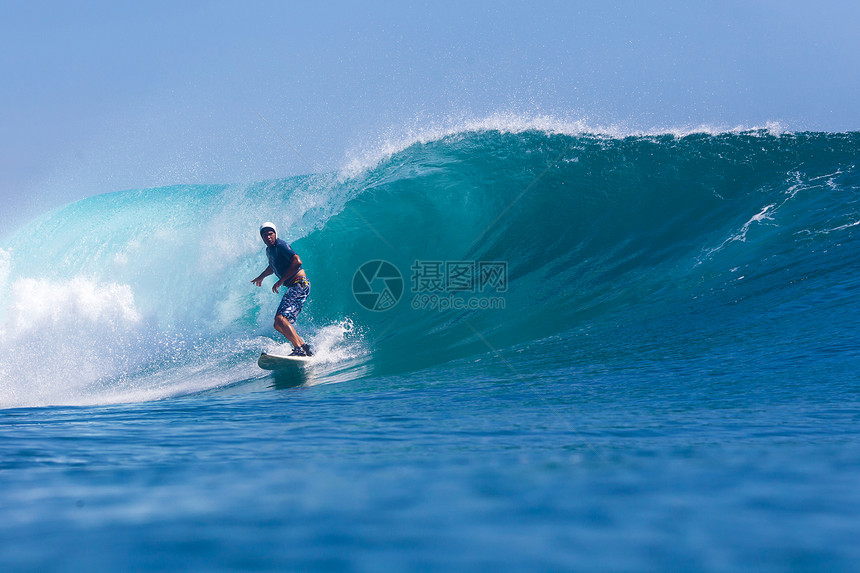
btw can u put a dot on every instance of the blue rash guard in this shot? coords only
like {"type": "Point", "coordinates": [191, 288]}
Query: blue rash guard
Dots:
{"type": "Point", "coordinates": [280, 257]}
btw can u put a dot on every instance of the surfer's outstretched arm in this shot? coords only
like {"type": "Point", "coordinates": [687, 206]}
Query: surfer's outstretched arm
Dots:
{"type": "Point", "coordinates": [259, 280]}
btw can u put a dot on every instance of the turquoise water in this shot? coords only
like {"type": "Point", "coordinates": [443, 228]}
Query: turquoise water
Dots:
{"type": "Point", "coordinates": [665, 378]}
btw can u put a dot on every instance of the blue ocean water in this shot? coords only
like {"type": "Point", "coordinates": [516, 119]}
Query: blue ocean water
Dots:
{"type": "Point", "coordinates": [601, 352]}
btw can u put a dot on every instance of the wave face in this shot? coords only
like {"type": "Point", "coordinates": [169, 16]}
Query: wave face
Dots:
{"type": "Point", "coordinates": [686, 251]}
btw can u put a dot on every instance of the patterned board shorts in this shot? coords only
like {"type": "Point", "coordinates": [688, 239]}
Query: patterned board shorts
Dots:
{"type": "Point", "coordinates": [294, 299]}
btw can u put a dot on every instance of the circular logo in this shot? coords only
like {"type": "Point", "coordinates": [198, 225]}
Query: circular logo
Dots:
{"type": "Point", "coordinates": [377, 285]}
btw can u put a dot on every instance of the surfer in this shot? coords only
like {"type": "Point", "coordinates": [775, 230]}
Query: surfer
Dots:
{"type": "Point", "coordinates": [286, 264]}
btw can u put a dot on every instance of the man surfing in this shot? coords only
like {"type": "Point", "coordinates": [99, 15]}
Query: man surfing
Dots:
{"type": "Point", "coordinates": [286, 264]}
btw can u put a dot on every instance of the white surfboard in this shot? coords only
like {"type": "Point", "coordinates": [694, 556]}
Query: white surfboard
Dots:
{"type": "Point", "coordinates": [277, 362]}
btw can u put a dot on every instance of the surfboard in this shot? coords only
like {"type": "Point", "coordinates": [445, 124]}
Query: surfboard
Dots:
{"type": "Point", "coordinates": [277, 362]}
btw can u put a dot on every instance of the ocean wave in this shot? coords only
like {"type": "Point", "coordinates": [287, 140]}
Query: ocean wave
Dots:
{"type": "Point", "coordinates": [596, 231]}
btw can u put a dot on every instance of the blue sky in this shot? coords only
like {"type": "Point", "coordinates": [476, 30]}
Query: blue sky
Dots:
{"type": "Point", "coordinates": [103, 96]}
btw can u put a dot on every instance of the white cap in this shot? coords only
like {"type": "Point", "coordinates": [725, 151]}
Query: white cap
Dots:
{"type": "Point", "coordinates": [268, 225]}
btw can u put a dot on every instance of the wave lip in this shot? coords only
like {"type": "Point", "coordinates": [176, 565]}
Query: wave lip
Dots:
{"type": "Point", "coordinates": [368, 157]}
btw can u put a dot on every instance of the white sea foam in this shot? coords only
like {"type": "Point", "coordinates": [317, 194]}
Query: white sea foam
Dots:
{"type": "Point", "coordinates": [766, 214]}
{"type": "Point", "coordinates": [58, 337]}
{"type": "Point", "coordinates": [332, 343]}
{"type": "Point", "coordinates": [842, 227]}
{"type": "Point", "coordinates": [41, 303]}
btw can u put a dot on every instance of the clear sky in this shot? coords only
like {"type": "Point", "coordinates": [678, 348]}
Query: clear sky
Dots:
{"type": "Point", "coordinates": [103, 96]}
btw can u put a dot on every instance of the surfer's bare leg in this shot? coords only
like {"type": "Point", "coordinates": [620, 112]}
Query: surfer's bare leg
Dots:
{"type": "Point", "coordinates": [283, 326]}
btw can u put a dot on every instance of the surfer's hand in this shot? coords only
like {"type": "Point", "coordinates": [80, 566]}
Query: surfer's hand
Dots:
{"type": "Point", "coordinates": [276, 286]}
{"type": "Point", "coordinates": [257, 281]}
